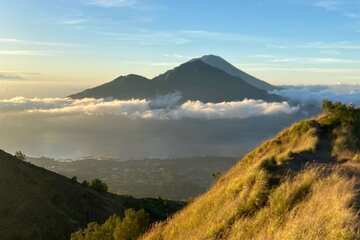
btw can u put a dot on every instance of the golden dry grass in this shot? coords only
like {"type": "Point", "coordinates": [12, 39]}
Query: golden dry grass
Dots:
{"type": "Point", "coordinates": [269, 195]}
{"type": "Point", "coordinates": [313, 205]}
{"type": "Point", "coordinates": [259, 199]}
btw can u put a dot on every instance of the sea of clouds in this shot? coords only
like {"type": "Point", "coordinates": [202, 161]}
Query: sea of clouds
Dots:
{"type": "Point", "coordinates": [165, 126]}
{"type": "Point", "coordinates": [166, 107]}
{"type": "Point", "coordinates": [315, 94]}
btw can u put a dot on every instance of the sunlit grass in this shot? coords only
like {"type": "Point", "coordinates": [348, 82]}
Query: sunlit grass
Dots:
{"type": "Point", "coordinates": [241, 193]}
{"type": "Point", "coordinates": [313, 205]}
{"type": "Point", "coordinates": [268, 195]}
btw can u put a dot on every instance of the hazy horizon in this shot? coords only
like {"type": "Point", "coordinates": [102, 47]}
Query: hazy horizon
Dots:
{"type": "Point", "coordinates": [51, 49]}
{"type": "Point", "coordinates": [59, 47]}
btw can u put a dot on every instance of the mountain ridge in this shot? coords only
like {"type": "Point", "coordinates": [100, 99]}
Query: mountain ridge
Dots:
{"type": "Point", "coordinates": [196, 80]}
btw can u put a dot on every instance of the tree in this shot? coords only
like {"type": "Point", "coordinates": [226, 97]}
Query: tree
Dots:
{"type": "Point", "coordinates": [98, 185]}
{"type": "Point", "coordinates": [74, 179]}
{"type": "Point", "coordinates": [19, 155]}
{"type": "Point", "coordinates": [85, 183]}
{"type": "Point", "coordinates": [130, 227]}
{"type": "Point", "coordinates": [340, 114]}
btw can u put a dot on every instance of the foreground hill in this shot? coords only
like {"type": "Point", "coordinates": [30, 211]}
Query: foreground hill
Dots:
{"type": "Point", "coordinates": [38, 204]}
{"type": "Point", "coordinates": [302, 184]}
{"type": "Point", "coordinates": [175, 178]}
{"type": "Point", "coordinates": [196, 80]}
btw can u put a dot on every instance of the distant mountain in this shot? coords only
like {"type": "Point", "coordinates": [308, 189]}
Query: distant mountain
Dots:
{"type": "Point", "coordinates": [196, 80]}
{"type": "Point", "coordinates": [222, 64]}
{"type": "Point", "coordinates": [123, 87]}
{"type": "Point", "coordinates": [38, 204]}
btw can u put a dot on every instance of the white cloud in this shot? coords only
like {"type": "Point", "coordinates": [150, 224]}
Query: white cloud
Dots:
{"type": "Point", "coordinates": [163, 108]}
{"type": "Point", "coordinates": [330, 52]}
{"type": "Point", "coordinates": [299, 69]}
{"type": "Point", "coordinates": [351, 15]}
{"type": "Point", "coordinates": [155, 64]}
{"type": "Point", "coordinates": [331, 45]}
{"type": "Point", "coordinates": [332, 60]}
{"type": "Point", "coordinates": [329, 5]}
{"type": "Point", "coordinates": [315, 94]}
{"type": "Point", "coordinates": [31, 42]}
{"type": "Point", "coordinates": [180, 37]}
{"type": "Point", "coordinates": [112, 3]}
{"type": "Point", "coordinates": [178, 56]}
{"type": "Point", "coordinates": [223, 36]}
{"type": "Point", "coordinates": [23, 53]}
{"type": "Point", "coordinates": [231, 110]}
{"type": "Point", "coordinates": [73, 21]}
{"type": "Point", "coordinates": [145, 37]}
{"type": "Point", "coordinates": [10, 76]}
{"type": "Point", "coordinates": [326, 46]}
{"type": "Point", "coordinates": [320, 60]}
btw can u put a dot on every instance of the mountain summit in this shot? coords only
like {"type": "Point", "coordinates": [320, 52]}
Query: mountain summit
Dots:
{"type": "Point", "coordinates": [196, 80]}
{"type": "Point", "coordinates": [222, 64]}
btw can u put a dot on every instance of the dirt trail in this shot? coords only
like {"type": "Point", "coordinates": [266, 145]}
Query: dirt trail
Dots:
{"type": "Point", "coordinates": [322, 154]}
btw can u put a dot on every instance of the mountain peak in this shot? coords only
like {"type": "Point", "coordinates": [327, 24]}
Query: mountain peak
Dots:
{"type": "Point", "coordinates": [211, 56]}
{"type": "Point", "coordinates": [222, 64]}
{"type": "Point", "coordinates": [208, 79]}
{"type": "Point", "coordinates": [132, 77]}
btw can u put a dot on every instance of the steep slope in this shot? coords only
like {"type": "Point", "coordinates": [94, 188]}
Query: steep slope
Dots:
{"type": "Point", "coordinates": [196, 80]}
{"type": "Point", "coordinates": [220, 63]}
{"type": "Point", "coordinates": [38, 204]}
{"type": "Point", "coordinates": [294, 186]}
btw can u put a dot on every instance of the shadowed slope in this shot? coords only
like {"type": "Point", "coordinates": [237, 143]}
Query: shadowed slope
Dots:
{"type": "Point", "coordinates": [38, 204]}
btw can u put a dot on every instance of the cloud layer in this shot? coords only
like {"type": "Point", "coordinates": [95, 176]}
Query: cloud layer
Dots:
{"type": "Point", "coordinates": [137, 128]}
{"type": "Point", "coordinates": [315, 94]}
{"type": "Point", "coordinates": [162, 108]}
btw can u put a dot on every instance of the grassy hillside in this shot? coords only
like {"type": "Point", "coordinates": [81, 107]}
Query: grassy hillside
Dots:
{"type": "Point", "coordinates": [38, 204]}
{"type": "Point", "coordinates": [302, 184]}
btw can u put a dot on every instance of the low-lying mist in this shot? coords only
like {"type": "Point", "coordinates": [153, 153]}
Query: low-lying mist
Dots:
{"type": "Point", "coordinates": [315, 94]}
{"type": "Point", "coordinates": [164, 127]}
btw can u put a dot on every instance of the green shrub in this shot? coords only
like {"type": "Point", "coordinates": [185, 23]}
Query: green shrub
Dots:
{"type": "Point", "coordinates": [85, 183]}
{"type": "Point", "coordinates": [98, 185]}
{"type": "Point", "coordinates": [345, 124]}
{"type": "Point", "coordinates": [134, 224]}
{"type": "Point", "coordinates": [19, 155]}
{"type": "Point", "coordinates": [339, 114]}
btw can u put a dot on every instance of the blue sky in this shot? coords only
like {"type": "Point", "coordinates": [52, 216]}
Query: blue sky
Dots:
{"type": "Point", "coordinates": [52, 48]}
